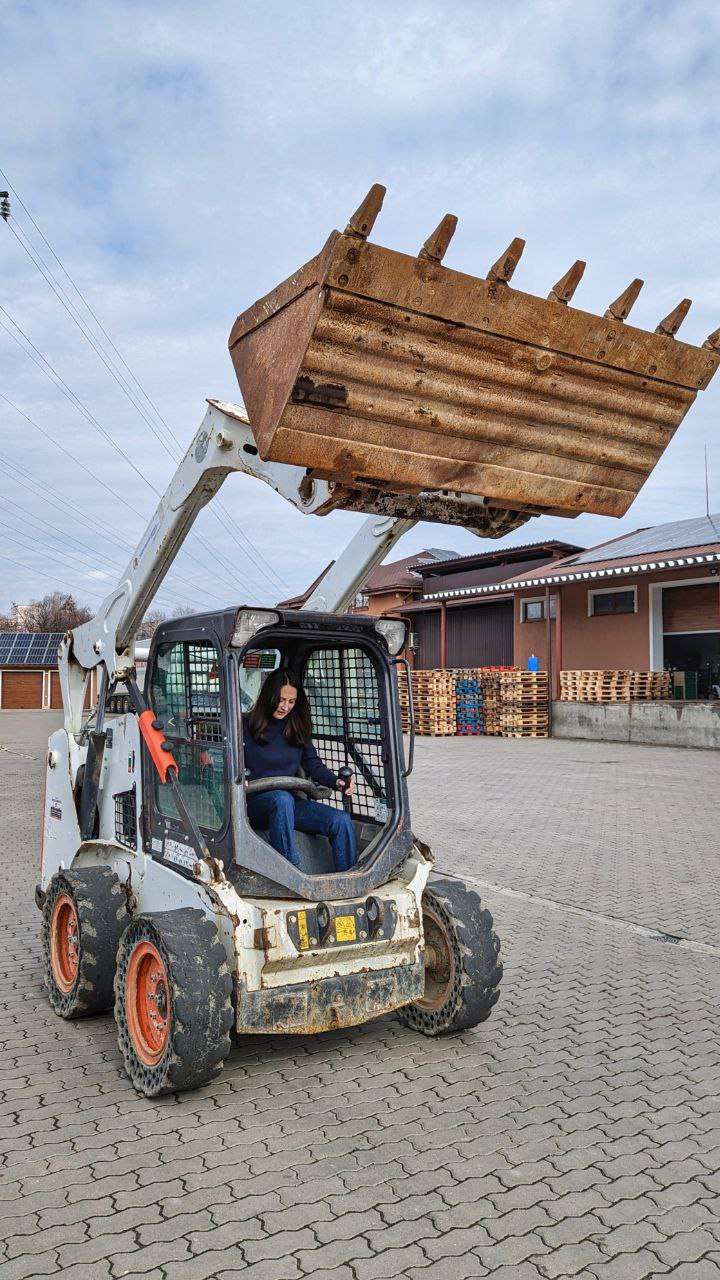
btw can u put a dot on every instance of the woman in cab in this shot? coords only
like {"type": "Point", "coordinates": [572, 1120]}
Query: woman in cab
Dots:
{"type": "Point", "coordinates": [277, 742]}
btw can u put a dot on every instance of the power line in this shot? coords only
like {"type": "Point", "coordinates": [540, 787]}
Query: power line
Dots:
{"type": "Point", "coordinates": [72, 457]}
{"type": "Point", "coordinates": [219, 509]}
{"type": "Point", "coordinates": [48, 369]}
{"type": "Point", "coordinates": [27, 481]}
{"type": "Point", "coordinates": [119, 497]}
{"type": "Point", "coordinates": [90, 551]}
{"type": "Point", "coordinates": [55, 377]}
{"type": "Point", "coordinates": [52, 577]}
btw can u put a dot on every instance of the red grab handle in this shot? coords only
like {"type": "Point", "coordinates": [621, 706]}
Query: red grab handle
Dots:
{"type": "Point", "coordinates": [164, 761]}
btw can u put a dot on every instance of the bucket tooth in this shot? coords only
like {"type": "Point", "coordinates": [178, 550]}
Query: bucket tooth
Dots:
{"type": "Point", "coordinates": [436, 245]}
{"type": "Point", "coordinates": [363, 219]}
{"type": "Point", "coordinates": [567, 284]}
{"type": "Point", "coordinates": [670, 325]}
{"type": "Point", "coordinates": [620, 309]}
{"type": "Point", "coordinates": [712, 342]}
{"type": "Point", "coordinates": [502, 270]}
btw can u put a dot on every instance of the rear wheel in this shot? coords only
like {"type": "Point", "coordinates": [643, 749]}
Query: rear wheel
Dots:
{"type": "Point", "coordinates": [462, 962]}
{"type": "Point", "coordinates": [173, 1001]}
{"type": "Point", "coordinates": [84, 914]}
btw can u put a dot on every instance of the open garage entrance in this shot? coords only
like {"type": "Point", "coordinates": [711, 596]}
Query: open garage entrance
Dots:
{"type": "Point", "coordinates": [691, 633]}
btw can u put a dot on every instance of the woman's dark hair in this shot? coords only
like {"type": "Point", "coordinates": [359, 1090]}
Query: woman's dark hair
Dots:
{"type": "Point", "coordinates": [297, 726]}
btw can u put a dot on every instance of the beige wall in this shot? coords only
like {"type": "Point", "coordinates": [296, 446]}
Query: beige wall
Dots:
{"type": "Point", "coordinates": [386, 602]}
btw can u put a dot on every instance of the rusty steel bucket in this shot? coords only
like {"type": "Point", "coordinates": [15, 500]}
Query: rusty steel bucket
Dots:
{"type": "Point", "coordinates": [417, 389]}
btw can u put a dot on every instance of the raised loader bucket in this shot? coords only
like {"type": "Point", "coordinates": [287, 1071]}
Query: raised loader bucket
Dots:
{"type": "Point", "coordinates": [422, 391]}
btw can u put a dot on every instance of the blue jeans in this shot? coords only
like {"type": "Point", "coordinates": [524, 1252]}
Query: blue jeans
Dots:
{"type": "Point", "coordinates": [283, 815]}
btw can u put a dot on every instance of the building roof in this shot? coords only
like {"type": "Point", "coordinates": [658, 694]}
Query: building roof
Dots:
{"type": "Point", "coordinates": [399, 575]}
{"type": "Point", "coordinates": [297, 602]}
{"type": "Point", "coordinates": [405, 574]}
{"type": "Point", "coordinates": [480, 558]}
{"type": "Point", "coordinates": [704, 531]}
{"type": "Point", "coordinates": [678, 544]}
{"type": "Point", "coordinates": [29, 648]}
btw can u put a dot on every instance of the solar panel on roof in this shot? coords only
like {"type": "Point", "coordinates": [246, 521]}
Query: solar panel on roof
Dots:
{"type": "Point", "coordinates": [29, 648]}
{"type": "Point", "coordinates": [20, 650]}
{"type": "Point", "coordinates": [675, 536]}
{"type": "Point", "coordinates": [52, 648]}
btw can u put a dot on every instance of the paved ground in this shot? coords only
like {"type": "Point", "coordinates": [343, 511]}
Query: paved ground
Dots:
{"type": "Point", "coordinates": [577, 1132]}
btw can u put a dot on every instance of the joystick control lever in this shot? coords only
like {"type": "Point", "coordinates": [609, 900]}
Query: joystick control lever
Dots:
{"type": "Point", "coordinates": [344, 777]}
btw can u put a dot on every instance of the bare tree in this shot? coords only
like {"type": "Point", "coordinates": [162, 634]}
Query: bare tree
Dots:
{"type": "Point", "coordinates": [56, 611]}
{"type": "Point", "coordinates": [152, 620]}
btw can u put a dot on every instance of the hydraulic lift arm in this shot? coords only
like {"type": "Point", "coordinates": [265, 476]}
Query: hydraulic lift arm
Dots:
{"type": "Point", "coordinates": [223, 444]}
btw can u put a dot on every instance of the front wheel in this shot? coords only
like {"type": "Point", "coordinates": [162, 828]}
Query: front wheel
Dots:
{"type": "Point", "coordinates": [173, 1001]}
{"type": "Point", "coordinates": [462, 962]}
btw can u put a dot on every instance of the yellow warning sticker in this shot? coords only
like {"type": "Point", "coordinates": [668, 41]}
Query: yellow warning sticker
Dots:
{"type": "Point", "coordinates": [303, 930]}
{"type": "Point", "coordinates": [345, 929]}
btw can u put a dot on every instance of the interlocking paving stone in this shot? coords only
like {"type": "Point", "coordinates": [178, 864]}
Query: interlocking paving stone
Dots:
{"type": "Point", "coordinates": [576, 1132]}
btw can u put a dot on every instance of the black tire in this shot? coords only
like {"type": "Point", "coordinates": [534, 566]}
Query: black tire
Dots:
{"type": "Point", "coordinates": [84, 915]}
{"type": "Point", "coordinates": [463, 978]}
{"type": "Point", "coordinates": [175, 961]}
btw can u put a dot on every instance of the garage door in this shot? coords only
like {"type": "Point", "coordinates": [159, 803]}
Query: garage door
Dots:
{"type": "Point", "coordinates": [691, 608]}
{"type": "Point", "coordinates": [426, 629]}
{"type": "Point", "coordinates": [55, 691]}
{"type": "Point", "coordinates": [480, 635]}
{"type": "Point", "coordinates": [22, 690]}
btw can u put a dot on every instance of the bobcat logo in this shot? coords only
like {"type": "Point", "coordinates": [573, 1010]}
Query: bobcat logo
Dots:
{"type": "Point", "coordinates": [201, 447]}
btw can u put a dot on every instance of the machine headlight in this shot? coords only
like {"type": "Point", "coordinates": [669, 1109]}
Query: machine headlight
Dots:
{"type": "Point", "coordinates": [248, 621]}
{"type": "Point", "coordinates": [394, 631]}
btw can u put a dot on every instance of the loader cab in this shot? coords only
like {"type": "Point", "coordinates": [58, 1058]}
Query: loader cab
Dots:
{"type": "Point", "coordinates": [204, 673]}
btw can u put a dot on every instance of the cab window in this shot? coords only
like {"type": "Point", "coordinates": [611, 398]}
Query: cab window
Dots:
{"type": "Point", "coordinates": [185, 695]}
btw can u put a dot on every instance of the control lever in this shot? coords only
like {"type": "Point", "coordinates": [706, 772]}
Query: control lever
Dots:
{"type": "Point", "coordinates": [344, 777]}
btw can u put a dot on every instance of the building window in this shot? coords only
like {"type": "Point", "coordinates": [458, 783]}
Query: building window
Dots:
{"type": "Point", "coordinates": [361, 600]}
{"type": "Point", "coordinates": [534, 610]}
{"type": "Point", "coordinates": [604, 602]}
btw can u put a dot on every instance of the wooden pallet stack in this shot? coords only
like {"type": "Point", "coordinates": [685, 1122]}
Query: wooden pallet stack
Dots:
{"type": "Point", "coordinates": [614, 686]}
{"type": "Point", "coordinates": [525, 704]}
{"type": "Point", "coordinates": [650, 686]}
{"type": "Point", "coordinates": [435, 702]}
{"type": "Point", "coordinates": [492, 695]}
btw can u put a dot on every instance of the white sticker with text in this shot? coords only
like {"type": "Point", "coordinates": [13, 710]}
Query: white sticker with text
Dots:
{"type": "Point", "coordinates": [183, 854]}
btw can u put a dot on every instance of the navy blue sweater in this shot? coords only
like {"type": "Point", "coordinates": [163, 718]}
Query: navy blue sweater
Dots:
{"type": "Point", "coordinates": [279, 758]}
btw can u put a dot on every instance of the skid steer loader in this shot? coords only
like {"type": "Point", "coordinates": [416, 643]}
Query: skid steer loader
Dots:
{"type": "Point", "coordinates": [374, 382]}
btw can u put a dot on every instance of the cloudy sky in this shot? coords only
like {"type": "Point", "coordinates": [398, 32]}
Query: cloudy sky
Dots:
{"type": "Point", "coordinates": [183, 158]}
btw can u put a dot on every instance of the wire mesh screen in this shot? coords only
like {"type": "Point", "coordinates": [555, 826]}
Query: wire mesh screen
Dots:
{"type": "Point", "coordinates": [344, 693]}
{"type": "Point", "coordinates": [185, 695]}
{"type": "Point", "coordinates": [126, 818]}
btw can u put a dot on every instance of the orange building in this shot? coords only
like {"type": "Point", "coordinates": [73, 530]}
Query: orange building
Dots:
{"type": "Point", "coordinates": [647, 601]}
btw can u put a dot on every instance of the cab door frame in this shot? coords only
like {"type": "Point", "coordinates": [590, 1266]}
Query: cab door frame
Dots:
{"type": "Point", "coordinates": [165, 837]}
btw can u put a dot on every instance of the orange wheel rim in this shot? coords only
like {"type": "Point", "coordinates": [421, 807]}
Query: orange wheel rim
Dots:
{"type": "Point", "coordinates": [64, 943]}
{"type": "Point", "coordinates": [147, 1003]}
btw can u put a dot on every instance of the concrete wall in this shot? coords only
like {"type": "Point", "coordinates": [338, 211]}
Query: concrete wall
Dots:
{"type": "Point", "coordinates": [665, 724]}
